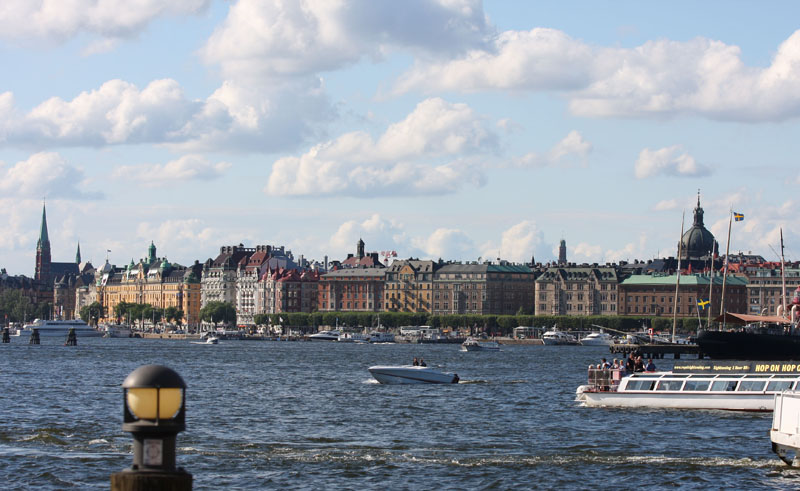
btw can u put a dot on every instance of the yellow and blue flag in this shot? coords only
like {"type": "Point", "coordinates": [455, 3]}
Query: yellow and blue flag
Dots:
{"type": "Point", "coordinates": [739, 217]}
{"type": "Point", "coordinates": [702, 303]}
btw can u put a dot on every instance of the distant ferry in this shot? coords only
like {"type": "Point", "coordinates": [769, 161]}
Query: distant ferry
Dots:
{"type": "Point", "coordinates": [60, 328]}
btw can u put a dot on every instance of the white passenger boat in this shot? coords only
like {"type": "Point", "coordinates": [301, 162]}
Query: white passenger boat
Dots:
{"type": "Point", "coordinates": [353, 337]}
{"type": "Point", "coordinates": [597, 339]}
{"type": "Point", "coordinates": [555, 337]}
{"type": "Point", "coordinates": [472, 344]}
{"type": "Point", "coordinates": [381, 337]}
{"type": "Point", "coordinates": [734, 386]}
{"type": "Point", "coordinates": [325, 336]}
{"type": "Point", "coordinates": [60, 328]}
{"type": "Point", "coordinates": [785, 431]}
{"type": "Point", "coordinates": [410, 374]}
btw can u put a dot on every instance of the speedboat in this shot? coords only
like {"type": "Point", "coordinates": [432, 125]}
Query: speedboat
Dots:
{"type": "Point", "coordinates": [411, 374]}
{"type": "Point", "coordinates": [209, 340]}
{"type": "Point", "coordinates": [472, 344]}
{"type": "Point", "coordinates": [325, 336]}
{"type": "Point", "coordinates": [556, 337]}
{"type": "Point", "coordinates": [733, 386]}
{"type": "Point", "coordinates": [598, 339]}
{"type": "Point", "coordinates": [61, 328]}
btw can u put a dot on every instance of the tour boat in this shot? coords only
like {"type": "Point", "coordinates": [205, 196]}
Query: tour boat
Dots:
{"type": "Point", "coordinates": [785, 432]}
{"type": "Point", "coordinates": [472, 344]}
{"type": "Point", "coordinates": [734, 386]}
{"type": "Point", "coordinates": [54, 328]}
{"type": "Point", "coordinates": [555, 337]}
{"type": "Point", "coordinates": [598, 339]}
{"type": "Point", "coordinates": [325, 336]}
{"type": "Point", "coordinates": [381, 337]}
{"type": "Point", "coordinates": [411, 374]}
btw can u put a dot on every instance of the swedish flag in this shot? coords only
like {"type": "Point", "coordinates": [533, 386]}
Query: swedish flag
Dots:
{"type": "Point", "coordinates": [739, 217]}
{"type": "Point", "coordinates": [702, 303]}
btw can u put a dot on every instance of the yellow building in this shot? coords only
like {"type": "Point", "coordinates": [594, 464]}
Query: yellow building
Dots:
{"type": "Point", "coordinates": [156, 282]}
{"type": "Point", "coordinates": [409, 285]}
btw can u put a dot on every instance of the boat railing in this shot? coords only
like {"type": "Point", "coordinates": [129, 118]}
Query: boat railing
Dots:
{"type": "Point", "coordinates": [605, 379]}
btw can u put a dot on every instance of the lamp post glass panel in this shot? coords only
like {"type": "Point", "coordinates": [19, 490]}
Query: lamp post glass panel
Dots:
{"type": "Point", "coordinates": [154, 413]}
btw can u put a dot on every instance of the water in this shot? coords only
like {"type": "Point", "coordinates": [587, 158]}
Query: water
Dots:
{"type": "Point", "coordinates": [269, 415]}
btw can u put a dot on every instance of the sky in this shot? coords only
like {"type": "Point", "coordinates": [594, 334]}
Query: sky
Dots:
{"type": "Point", "coordinates": [453, 129]}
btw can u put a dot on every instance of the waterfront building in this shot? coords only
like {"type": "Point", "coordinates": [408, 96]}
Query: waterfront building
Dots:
{"type": "Point", "coordinates": [654, 295]}
{"type": "Point", "coordinates": [287, 290]}
{"type": "Point", "coordinates": [588, 289]}
{"type": "Point", "coordinates": [352, 289]}
{"type": "Point", "coordinates": [483, 288]}
{"type": "Point", "coordinates": [219, 274]}
{"type": "Point", "coordinates": [765, 285]}
{"type": "Point", "coordinates": [409, 286]}
{"type": "Point", "coordinates": [248, 272]}
{"type": "Point", "coordinates": [154, 281]}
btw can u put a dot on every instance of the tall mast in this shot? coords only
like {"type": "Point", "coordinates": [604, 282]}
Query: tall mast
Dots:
{"type": "Point", "coordinates": [725, 273]}
{"type": "Point", "coordinates": [783, 280]}
{"type": "Point", "coordinates": [677, 281]}
{"type": "Point", "coordinates": [710, 290]}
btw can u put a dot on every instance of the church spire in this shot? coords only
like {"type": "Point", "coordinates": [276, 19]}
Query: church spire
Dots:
{"type": "Point", "coordinates": [42, 271]}
{"type": "Point", "coordinates": [44, 240]}
{"type": "Point", "coordinates": [78, 254]}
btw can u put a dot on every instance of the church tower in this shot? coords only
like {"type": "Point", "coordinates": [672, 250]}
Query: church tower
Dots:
{"type": "Point", "coordinates": [562, 252]}
{"type": "Point", "coordinates": [360, 249]}
{"type": "Point", "coordinates": [78, 254]}
{"type": "Point", "coordinates": [43, 252]}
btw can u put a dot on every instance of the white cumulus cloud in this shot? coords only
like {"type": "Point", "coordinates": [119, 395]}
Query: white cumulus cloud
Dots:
{"type": "Point", "coordinates": [427, 152]}
{"type": "Point", "coordinates": [186, 168]}
{"type": "Point", "coordinates": [44, 174]}
{"type": "Point", "coordinates": [573, 149]}
{"type": "Point", "coordinates": [447, 244]}
{"type": "Point", "coordinates": [668, 161]}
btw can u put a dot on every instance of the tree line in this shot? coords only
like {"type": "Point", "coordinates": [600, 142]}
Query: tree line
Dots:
{"type": "Point", "coordinates": [16, 307]}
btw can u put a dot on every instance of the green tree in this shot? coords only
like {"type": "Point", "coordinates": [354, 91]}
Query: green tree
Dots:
{"type": "Point", "coordinates": [216, 312]}
{"type": "Point", "coordinates": [92, 313]}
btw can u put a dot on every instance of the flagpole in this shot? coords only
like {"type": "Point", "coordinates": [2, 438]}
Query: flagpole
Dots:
{"type": "Point", "coordinates": [725, 274]}
{"type": "Point", "coordinates": [677, 280]}
{"type": "Point", "coordinates": [783, 280]}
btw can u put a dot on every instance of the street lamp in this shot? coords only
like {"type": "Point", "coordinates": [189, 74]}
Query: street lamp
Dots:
{"type": "Point", "coordinates": [154, 412]}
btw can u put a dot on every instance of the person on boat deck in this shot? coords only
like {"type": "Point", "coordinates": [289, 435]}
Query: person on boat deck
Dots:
{"type": "Point", "coordinates": [651, 367]}
{"type": "Point", "coordinates": [639, 366]}
{"type": "Point", "coordinates": [604, 363]}
{"type": "Point", "coordinates": [630, 364]}
{"type": "Point", "coordinates": [416, 362]}
{"type": "Point", "coordinates": [422, 362]}
{"type": "Point", "coordinates": [615, 364]}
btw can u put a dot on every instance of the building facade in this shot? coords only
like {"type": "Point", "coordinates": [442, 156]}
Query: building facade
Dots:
{"type": "Point", "coordinates": [577, 290]}
{"type": "Point", "coordinates": [483, 288]}
{"type": "Point", "coordinates": [409, 286]}
{"type": "Point", "coordinates": [654, 295]}
{"type": "Point", "coordinates": [352, 289]}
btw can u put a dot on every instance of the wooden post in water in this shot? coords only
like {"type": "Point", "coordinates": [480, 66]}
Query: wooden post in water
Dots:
{"type": "Point", "coordinates": [6, 335]}
{"type": "Point", "coordinates": [34, 336]}
{"type": "Point", "coordinates": [72, 339]}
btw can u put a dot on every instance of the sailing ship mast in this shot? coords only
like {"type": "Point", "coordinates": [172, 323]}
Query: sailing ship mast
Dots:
{"type": "Point", "coordinates": [783, 280]}
{"type": "Point", "coordinates": [725, 273]}
{"type": "Point", "coordinates": [678, 280]}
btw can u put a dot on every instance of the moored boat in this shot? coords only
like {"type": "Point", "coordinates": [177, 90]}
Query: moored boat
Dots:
{"type": "Point", "coordinates": [411, 374]}
{"type": "Point", "coordinates": [325, 336]}
{"type": "Point", "coordinates": [554, 337]}
{"type": "Point", "coordinates": [597, 339]}
{"type": "Point", "coordinates": [53, 328]}
{"type": "Point", "coordinates": [734, 386]}
{"type": "Point", "coordinates": [472, 344]}
{"type": "Point", "coordinates": [381, 337]}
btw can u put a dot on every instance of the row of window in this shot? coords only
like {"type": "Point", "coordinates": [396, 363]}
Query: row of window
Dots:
{"type": "Point", "coordinates": [712, 385]}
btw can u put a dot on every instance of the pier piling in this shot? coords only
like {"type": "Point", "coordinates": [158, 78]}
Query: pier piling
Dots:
{"type": "Point", "coordinates": [6, 335]}
{"type": "Point", "coordinates": [72, 339]}
{"type": "Point", "coordinates": [34, 336]}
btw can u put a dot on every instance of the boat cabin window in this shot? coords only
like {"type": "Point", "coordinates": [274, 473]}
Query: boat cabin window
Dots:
{"type": "Point", "coordinates": [641, 385]}
{"type": "Point", "coordinates": [697, 385]}
{"type": "Point", "coordinates": [779, 385]}
{"type": "Point", "coordinates": [752, 385]}
{"type": "Point", "coordinates": [723, 385]}
{"type": "Point", "coordinates": [674, 384]}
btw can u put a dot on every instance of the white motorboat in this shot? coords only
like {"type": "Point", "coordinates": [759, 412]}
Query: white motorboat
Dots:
{"type": "Point", "coordinates": [734, 386]}
{"type": "Point", "coordinates": [597, 339]}
{"type": "Point", "coordinates": [116, 331]}
{"type": "Point", "coordinates": [410, 374]}
{"type": "Point", "coordinates": [325, 336]}
{"type": "Point", "coordinates": [472, 344]}
{"type": "Point", "coordinates": [555, 337]}
{"type": "Point", "coordinates": [381, 337]}
{"type": "Point", "coordinates": [209, 340]}
{"type": "Point", "coordinates": [785, 433]}
{"type": "Point", "coordinates": [60, 328]}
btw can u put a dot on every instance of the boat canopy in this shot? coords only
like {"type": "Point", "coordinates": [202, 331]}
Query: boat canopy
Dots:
{"type": "Point", "coordinates": [731, 318]}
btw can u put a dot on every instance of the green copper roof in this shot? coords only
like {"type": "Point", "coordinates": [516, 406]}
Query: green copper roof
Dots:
{"type": "Point", "coordinates": [686, 279]}
{"type": "Point", "coordinates": [78, 254]}
{"type": "Point", "coordinates": [43, 238]}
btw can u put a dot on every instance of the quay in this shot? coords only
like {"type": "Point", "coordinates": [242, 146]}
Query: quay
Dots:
{"type": "Point", "coordinates": [657, 350]}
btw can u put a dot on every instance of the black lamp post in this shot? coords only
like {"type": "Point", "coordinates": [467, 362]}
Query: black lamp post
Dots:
{"type": "Point", "coordinates": [154, 412]}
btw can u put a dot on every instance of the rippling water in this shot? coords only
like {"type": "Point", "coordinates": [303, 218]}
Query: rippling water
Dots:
{"type": "Point", "coordinates": [266, 415]}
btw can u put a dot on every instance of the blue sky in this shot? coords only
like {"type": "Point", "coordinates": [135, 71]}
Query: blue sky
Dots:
{"type": "Point", "coordinates": [450, 128]}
